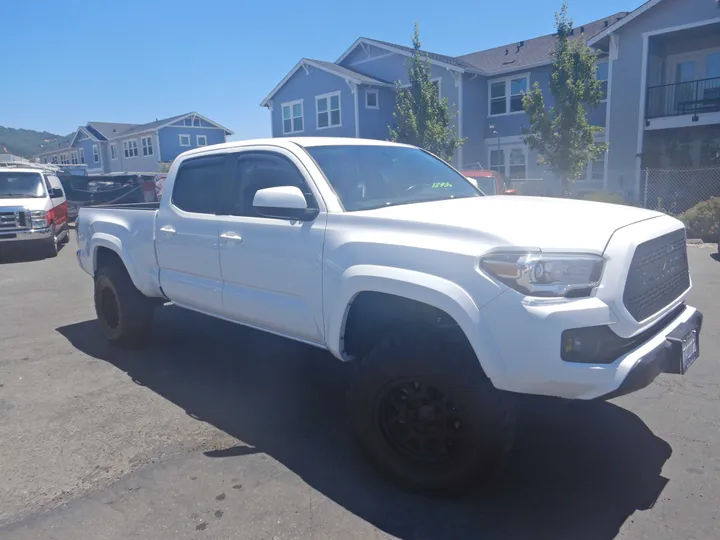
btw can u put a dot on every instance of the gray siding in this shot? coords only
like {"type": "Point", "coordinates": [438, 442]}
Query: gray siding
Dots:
{"type": "Point", "coordinates": [374, 123]}
{"type": "Point", "coordinates": [475, 122]}
{"type": "Point", "coordinates": [625, 109]}
{"type": "Point", "coordinates": [140, 163]}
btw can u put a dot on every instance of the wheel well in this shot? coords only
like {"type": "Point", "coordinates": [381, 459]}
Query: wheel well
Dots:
{"type": "Point", "coordinates": [374, 316]}
{"type": "Point", "coordinates": [105, 257]}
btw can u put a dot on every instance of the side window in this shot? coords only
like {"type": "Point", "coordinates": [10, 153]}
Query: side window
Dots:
{"type": "Point", "coordinates": [198, 185]}
{"type": "Point", "coordinates": [265, 170]}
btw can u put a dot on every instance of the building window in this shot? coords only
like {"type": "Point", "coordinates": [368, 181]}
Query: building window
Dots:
{"type": "Point", "coordinates": [292, 115]}
{"type": "Point", "coordinates": [511, 163]}
{"type": "Point", "coordinates": [147, 147]}
{"type": "Point", "coordinates": [187, 121]}
{"type": "Point", "coordinates": [73, 158]}
{"type": "Point", "coordinates": [113, 151]}
{"type": "Point", "coordinates": [201, 140]}
{"type": "Point", "coordinates": [96, 153]}
{"type": "Point", "coordinates": [45, 160]}
{"type": "Point", "coordinates": [328, 110]}
{"type": "Point", "coordinates": [372, 99]}
{"type": "Point", "coordinates": [81, 154]}
{"type": "Point", "coordinates": [506, 94]}
{"type": "Point", "coordinates": [601, 74]}
{"type": "Point", "coordinates": [130, 149]}
{"type": "Point", "coordinates": [184, 140]}
{"type": "Point", "coordinates": [54, 160]}
{"type": "Point", "coordinates": [196, 122]}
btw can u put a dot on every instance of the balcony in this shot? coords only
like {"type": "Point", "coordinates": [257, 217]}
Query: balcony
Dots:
{"type": "Point", "coordinates": [684, 98]}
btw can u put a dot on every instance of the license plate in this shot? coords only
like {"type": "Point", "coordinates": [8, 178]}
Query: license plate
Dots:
{"type": "Point", "coordinates": [689, 350]}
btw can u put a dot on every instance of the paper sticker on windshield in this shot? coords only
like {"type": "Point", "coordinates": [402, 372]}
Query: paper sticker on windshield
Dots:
{"type": "Point", "coordinates": [442, 185]}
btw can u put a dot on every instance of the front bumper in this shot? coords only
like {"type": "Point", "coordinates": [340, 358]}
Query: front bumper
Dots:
{"type": "Point", "coordinates": [527, 349]}
{"type": "Point", "coordinates": [24, 235]}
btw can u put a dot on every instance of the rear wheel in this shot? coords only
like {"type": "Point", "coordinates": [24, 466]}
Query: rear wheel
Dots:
{"type": "Point", "coordinates": [427, 415]}
{"type": "Point", "coordinates": [124, 313]}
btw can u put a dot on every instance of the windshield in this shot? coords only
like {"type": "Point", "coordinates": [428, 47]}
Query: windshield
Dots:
{"type": "Point", "coordinates": [366, 177]}
{"type": "Point", "coordinates": [486, 184]}
{"type": "Point", "coordinates": [21, 184]}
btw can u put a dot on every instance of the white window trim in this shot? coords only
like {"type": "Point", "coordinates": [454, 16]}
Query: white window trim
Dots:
{"type": "Point", "coordinates": [74, 158]}
{"type": "Point", "coordinates": [507, 80]}
{"type": "Point", "coordinates": [317, 112]}
{"type": "Point", "coordinates": [96, 153]}
{"type": "Point", "coordinates": [130, 148]}
{"type": "Point", "coordinates": [113, 152]}
{"type": "Point", "coordinates": [377, 98]}
{"type": "Point", "coordinates": [292, 124]}
{"type": "Point", "coordinates": [150, 146]}
{"type": "Point", "coordinates": [197, 140]}
{"type": "Point", "coordinates": [180, 139]}
{"type": "Point", "coordinates": [507, 148]}
{"type": "Point", "coordinates": [81, 156]}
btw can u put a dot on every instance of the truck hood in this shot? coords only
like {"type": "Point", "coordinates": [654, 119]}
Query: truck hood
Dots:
{"type": "Point", "coordinates": [531, 222]}
{"type": "Point", "coordinates": [32, 203]}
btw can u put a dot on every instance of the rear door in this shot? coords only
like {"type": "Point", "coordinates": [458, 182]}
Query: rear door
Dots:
{"type": "Point", "coordinates": [186, 235]}
{"type": "Point", "coordinates": [272, 267]}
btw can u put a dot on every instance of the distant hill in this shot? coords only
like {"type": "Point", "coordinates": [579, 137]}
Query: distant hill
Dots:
{"type": "Point", "coordinates": [27, 143]}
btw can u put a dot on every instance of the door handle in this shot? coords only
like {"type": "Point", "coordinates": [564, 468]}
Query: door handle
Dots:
{"type": "Point", "coordinates": [168, 229]}
{"type": "Point", "coordinates": [235, 237]}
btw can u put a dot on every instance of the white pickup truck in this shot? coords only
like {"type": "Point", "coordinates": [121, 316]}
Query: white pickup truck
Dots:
{"type": "Point", "coordinates": [448, 301]}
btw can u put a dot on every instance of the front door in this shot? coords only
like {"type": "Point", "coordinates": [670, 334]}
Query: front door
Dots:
{"type": "Point", "coordinates": [272, 267]}
{"type": "Point", "coordinates": [186, 235]}
{"type": "Point", "coordinates": [685, 97]}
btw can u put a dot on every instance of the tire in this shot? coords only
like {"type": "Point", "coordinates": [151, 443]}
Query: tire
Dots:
{"type": "Point", "coordinates": [478, 420]}
{"type": "Point", "coordinates": [50, 247]}
{"type": "Point", "coordinates": [124, 313]}
{"type": "Point", "coordinates": [66, 238]}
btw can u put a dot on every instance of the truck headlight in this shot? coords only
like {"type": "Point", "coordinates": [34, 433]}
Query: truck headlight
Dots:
{"type": "Point", "coordinates": [39, 219]}
{"type": "Point", "coordinates": [546, 274]}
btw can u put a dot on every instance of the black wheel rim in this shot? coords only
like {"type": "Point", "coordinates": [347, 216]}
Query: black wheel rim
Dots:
{"type": "Point", "coordinates": [109, 308]}
{"type": "Point", "coordinates": [420, 422]}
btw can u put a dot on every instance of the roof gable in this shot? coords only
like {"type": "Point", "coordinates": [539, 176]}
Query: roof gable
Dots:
{"type": "Point", "coordinates": [620, 23]}
{"type": "Point", "coordinates": [114, 130]}
{"type": "Point", "coordinates": [442, 60]}
{"type": "Point", "coordinates": [329, 67]}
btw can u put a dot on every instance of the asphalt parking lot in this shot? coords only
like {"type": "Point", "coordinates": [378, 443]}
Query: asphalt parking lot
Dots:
{"type": "Point", "coordinates": [216, 431]}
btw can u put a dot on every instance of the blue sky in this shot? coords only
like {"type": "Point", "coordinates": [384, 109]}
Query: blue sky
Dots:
{"type": "Point", "coordinates": [135, 61]}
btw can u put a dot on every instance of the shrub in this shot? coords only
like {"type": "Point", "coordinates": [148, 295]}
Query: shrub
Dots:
{"type": "Point", "coordinates": [601, 196]}
{"type": "Point", "coordinates": [703, 220]}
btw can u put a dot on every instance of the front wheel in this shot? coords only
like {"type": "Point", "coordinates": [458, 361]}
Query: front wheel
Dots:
{"type": "Point", "coordinates": [124, 313]}
{"type": "Point", "coordinates": [51, 248]}
{"type": "Point", "coordinates": [426, 414]}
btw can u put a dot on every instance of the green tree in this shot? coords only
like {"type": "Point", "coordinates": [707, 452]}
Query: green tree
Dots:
{"type": "Point", "coordinates": [561, 134]}
{"type": "Point", "coordinates": [421, 117]}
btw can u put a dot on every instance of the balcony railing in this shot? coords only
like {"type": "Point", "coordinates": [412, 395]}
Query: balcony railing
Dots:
{"type": "Point", "coordinates": [677, 99]}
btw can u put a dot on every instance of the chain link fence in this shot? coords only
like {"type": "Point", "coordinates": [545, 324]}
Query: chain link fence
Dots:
{"type": "Point", "coordinates": [676, 190]}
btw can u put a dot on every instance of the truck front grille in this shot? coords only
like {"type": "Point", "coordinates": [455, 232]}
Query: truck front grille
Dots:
{"type": "Point", "coordinates": [8, 220]}
{"type": "Point", "coordinates": [658, 275]}
{"type": "Point", "coordinates": [14, 219]}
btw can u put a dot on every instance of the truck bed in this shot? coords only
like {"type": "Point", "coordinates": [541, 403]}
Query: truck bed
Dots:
{"type": "Point", "coordinates": [128, 206]}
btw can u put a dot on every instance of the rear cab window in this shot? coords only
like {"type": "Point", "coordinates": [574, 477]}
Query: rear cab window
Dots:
{"type": "Point", "coordinates": [198, 186]}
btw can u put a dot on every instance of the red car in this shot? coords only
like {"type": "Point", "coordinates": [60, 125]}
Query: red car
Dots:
{"type": "Point", "coordinates": [489, 182]}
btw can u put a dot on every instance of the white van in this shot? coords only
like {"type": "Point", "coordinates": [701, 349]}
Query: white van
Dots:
{"type": "Point", "coordinates": [33, 209]}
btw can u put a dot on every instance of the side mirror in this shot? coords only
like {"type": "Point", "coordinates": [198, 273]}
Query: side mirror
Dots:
{"type": "Point", "coordinates": [56, 193]}
{"type": "Point", "coordinates": [285, 202]}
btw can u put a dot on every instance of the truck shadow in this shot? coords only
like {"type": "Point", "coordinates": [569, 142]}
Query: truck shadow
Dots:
{"type": "Point", "coordinates": [578, 471]}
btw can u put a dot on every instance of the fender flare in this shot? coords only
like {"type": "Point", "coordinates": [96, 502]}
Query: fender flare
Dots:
{"type": "Point", "coordinates": [418, 286]}
{"type": "Point", "coordinates": [113, 243]}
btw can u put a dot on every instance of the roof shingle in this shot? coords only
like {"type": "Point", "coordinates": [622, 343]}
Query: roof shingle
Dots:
{"type": "Point", "coordinates": [531, 51]}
